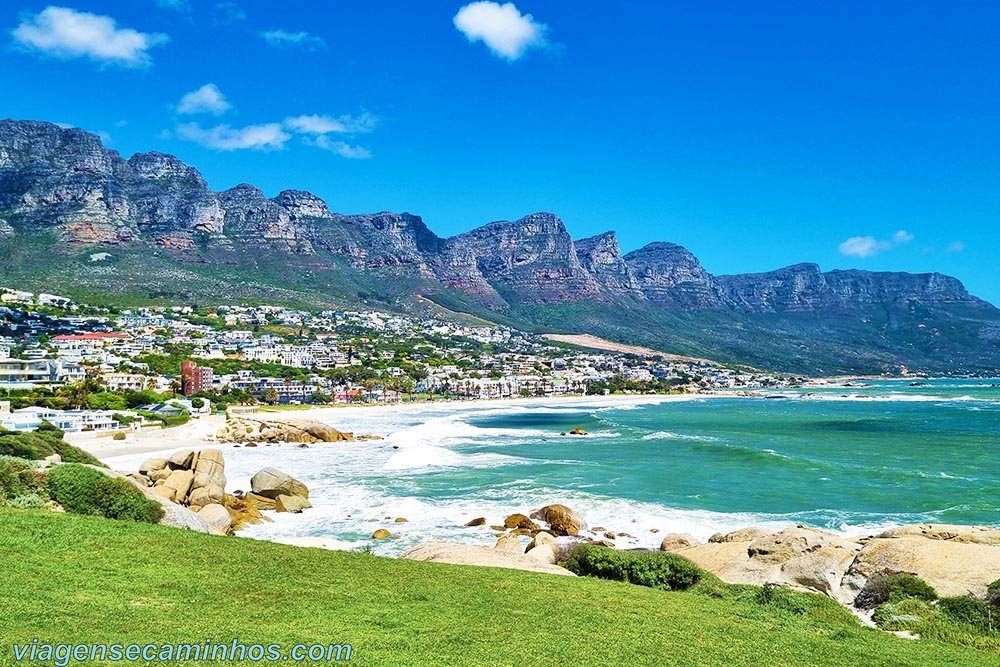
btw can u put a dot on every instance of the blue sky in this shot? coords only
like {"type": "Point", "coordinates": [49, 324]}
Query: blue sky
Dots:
{"type": "Point", "coordinates": [757, 134]}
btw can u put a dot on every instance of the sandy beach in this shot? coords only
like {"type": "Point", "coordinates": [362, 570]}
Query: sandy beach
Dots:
{"type": "Point", "coordinates": [200, 431]}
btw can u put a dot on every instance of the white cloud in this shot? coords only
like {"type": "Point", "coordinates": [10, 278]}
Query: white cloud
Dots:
{"type": "Point", "coordinates": [67, 33]}
{"type": "Point", "coordinates": [869, 246]}
{"type": "Point", "coordinates": [269, 136]}
{"type": "Point", "coordinates": [341, 148]}
{"type": "Point", "coordinates": [207, 99]}
{"type": "Point", "coordinates": [226, 13]}
{"type": "Point", "coordinates": [504, 30]}
{"type": "Point", "coordinates": [299, 40]}
{"type": "Point", "coordinates": [955, 246]}
{"type": "Point", "coordinates": [317, 124]}
{"type": "Point", "coordinates": [179, 5]}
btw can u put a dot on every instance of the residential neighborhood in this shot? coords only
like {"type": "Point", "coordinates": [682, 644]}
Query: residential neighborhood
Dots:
{"type": "Point", "coordinates": [273, 355]}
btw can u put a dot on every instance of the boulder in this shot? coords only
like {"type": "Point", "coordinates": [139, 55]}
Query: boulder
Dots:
{"type": "Point", "coordinates": [464, 554]}
{"type": "Point", "coordinates": [139, 479]}
{"type": "Point", "coordinates": [561, 520]}
{"type": "Point", "coordinates": [479, 521]}
{"type": "Point", "coordinates": [157, 475]}
{"type": "Point", "coordinates": [210, 462]}
{"type": "Point", "coordinates": [400, 519]}
{"type": "Point", "coordinates": [519, 521]}
{"type": "Point", "coordinates": [678, 541]}
{"type": "Point", "coordinates": [51, 460]}
{"type": "Point", "coordinates": [578, 431]}
{"type": "Point", "coordinates": [162, 491]}
{"type": "Point", "coordinates": [272, 483]}
{"type": "Point", "coordinates": [543, 538]}
{"type": "Point", "coordinates": [951, 567]}
{"type": "Point", "coordinates": [381, 534]}
{"type": "Point", "coordinates": [742, 535]}
{"type": "Point", "coordinates": [294, 504]}
{"type": "Point", "coordinates": [206, 495]}
{"type": "Point", "coordinates": [543, 553]}
{"type": "Point", "coordinates": [149, 465]}
{"type": "Point", "coordinates": [181, 459]}
{"type": "Point", "coordinates": [216, 516]}
{"type": "Point", "coordinates": [180, 482]}
{"type": "Point", "coordinates": [509, 543]}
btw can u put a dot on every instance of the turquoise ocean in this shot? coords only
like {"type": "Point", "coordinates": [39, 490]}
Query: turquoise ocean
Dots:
{"type": "Point", "coordinates": [851, 460]}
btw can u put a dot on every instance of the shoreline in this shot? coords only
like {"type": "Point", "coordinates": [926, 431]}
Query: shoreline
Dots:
{"type": "Point", "coordinates": [200, 431]}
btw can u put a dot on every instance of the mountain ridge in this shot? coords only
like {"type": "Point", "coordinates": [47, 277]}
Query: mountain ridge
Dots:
{"type": "Point", "coordinates": [63, 192]}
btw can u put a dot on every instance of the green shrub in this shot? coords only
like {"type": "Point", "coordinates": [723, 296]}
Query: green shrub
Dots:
{"type": "Point", "coordinates": [643, 568]}
{"type": "Point", "coordinates": [19, 477]}
{"type": "Point", "coordinates": [83, 490]}
{"type": "Point", "coordinates": [893, 586]}
{"type": "Point", "coordinates": [905, 614]}
{"type": "Point", "coordinates": [972, 612]}
{"type": "Point", "coordinates": [28, 501]}
{"type": "Point", "coordinates": [41, 443]}
{"type": "Point", "coordinates": [118, 436]}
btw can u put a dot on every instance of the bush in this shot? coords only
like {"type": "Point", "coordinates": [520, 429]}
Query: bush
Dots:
{"type": "Point", "coordinates": [41, 443]}
{"type": "Point", "coordinates": [893, 586]}
{"type": "Point", "coordinates": [118, 436]}
{"type": "Point", "coordinates": [972, 612]}
{"type": "Point", "coordinates": [83, 490]}
{"type": "Point", "coordinates": [29, 501]}
{"type": "Point", "coordinates": [643, 568]}
{"type": "Point", "coordinates": [19, 477]}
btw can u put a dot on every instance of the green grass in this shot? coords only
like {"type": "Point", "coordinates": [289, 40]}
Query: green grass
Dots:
{"type": "Point", "coordinates": [85, 579]}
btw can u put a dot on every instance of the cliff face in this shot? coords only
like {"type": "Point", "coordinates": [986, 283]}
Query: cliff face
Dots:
{"type": "Point", "coordinates": [601, 257]}
{"type": "Point", "coordinates": [63, 188]}
{"type": "Point", "coordinates": [671, 276]}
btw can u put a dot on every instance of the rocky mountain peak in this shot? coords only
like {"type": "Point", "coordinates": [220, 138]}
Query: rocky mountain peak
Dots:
{"type": "Point", "coordinates": [671, 276]}
{"type": "Point", "coordinates": [602, 257]}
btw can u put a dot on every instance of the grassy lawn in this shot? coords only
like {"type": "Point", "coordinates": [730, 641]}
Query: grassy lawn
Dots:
{"type": "Point", "coordinates": [82, 579]}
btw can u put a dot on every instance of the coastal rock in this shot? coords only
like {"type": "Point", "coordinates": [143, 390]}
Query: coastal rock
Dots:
{"type": "Point", "coordinates": [400, 519]}
{"type": "Point", "coordinates": [479, 521]}
{"type": "Point", "coordinates": [216, 516]}
{"type": "Point", "coordinates": [260, 502]}
{"type": "Point", "coordinates": [180, 482]}
{"type": "Point", "coordinates": [157, 475]}
{"type": "Point", "coordinates": [800, 557]}
{"type": "Point", "coordinates": [242, 512]}
{"type": "Point", "coordinates": [544, 553]}
{"type": "Point", "coordinates": [543, 538]}
{"type": "Point", "coordinates": [241, 429]}
{"type": "Point", "coordinates": [272, 483]}
{"type": "Point", "coordinates": [381, 534]}
{"type": "Point", "coordinates": [561, 520]}
{"type": "Point", "coordinates": [519, 521]}
{"type": "Point", "coordinates": [464, 554]}
{"type": "Point", "coordinates": [952, 568]}
{"type": "Point", "coordinates": [210, 462]}
{"type": "Point", "coordinates": [948, 533]}
{"type": "Point", "coordinates": [509, 543]}
{"type": "Point", "coordinates": [742, 535]}
{"type": "Point", "coordinates": [678, 541]}
{"type": "Point", "coordinates": [181, 459]}
{"type": "Point", "coordinates": [151, 465]}
{"type": "Point", "coordinates": [294, 504]}
{"type": "Point", "coordinates": [206, 495]}
{"type": "Point", "coordinates": [578, 431]}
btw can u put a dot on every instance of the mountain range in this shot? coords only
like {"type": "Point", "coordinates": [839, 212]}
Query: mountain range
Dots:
{"type": "Point", "coordinates": [79, 219]}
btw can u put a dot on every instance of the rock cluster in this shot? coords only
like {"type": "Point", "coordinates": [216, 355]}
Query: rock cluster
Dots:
{"type": "Point", "coordinates": [249, 430]}
{"type": "Point", "coordinates": [955, 560]}
{"type": "Point", "coordinates": [191, 486]}
{"type": "Point", "coordinates": [273, 489]}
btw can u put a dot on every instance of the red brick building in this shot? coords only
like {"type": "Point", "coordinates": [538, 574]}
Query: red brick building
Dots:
{"type": "Point", "coordinates": [195, 378]}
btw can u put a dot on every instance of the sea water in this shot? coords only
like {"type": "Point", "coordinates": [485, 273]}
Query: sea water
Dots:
{"type": "Point", "coordinates": [851, 460]}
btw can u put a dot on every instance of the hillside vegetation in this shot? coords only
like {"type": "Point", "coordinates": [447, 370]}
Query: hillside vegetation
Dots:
{"type": "Point", "coordinates": [84, 579]}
